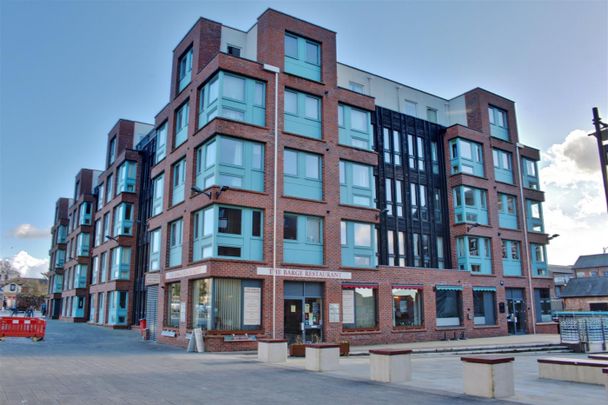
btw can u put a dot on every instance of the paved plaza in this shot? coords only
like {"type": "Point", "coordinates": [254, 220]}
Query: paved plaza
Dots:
{"type": "Point", "coordinates": [79, 363]}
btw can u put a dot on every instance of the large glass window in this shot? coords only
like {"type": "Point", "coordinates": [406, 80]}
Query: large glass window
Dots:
{"type": "Point", "coordinates": [173, 304]}
{"type": "Point", "coordinates": [175, 242]}
{"type": "Point", "coordinates": [154, 249]}
{"type": "Point", "coordinates": [302, 57]}
{"type": "Point", "coordinates": [303, 239]}
{"type": "Point", "coordinates": [359, 308]}
{"type": "Point", "coordinates": [466, 157]}
{"type": "Point", "coordinates": [158, 186]}
{"type": "Point", "coordinates": [181, 124]}
{"type": "Point", "coordinates": [121, 263]}
{"type": "Point", "coordinates": [507, 211]}
{"type": "Point", "coordinates": [503, 166]}
{"type": "Point", "coordinates": [178, 181]}
{"type": "Point", "coordinates": [302, 175]}
{"type": "Point", "coordinates": [484, 305]}
{"type": "Point", "coordinates": [125, 181]}
{"type": "Point", "coordinates": [358, 244]}
{"type": "Point", "coordinates": [542, 304]}
{"type": "Point", "coordinates": [302, 114]}
{"type": "Point", "coordinates": [236, 304]}
{"type": "Point", "coordinates": [355, 128]}
{"type": "Point", "coordinates": [470, 205]}
{"type": "Point", "coordinates": [448, 303]}
{"type": "Point", "coordinates": [474, 254]}
{"type": "Point", "coordinates": [161, 143]}
{"type": "Point", "coordinates": [356, 185]}
{"type": "Point", "coordinates": [499, 126]}
{"type": "Point", "coordinates": [201, 304]}
{"type": "Point", "coordinates": [407, 307]}
{"type": "Point", "coordinates": [184, 70]}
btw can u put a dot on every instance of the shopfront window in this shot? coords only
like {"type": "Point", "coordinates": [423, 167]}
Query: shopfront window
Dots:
{"type": "Point", "coordinates": [359, 308]}
{"type": "Point", "coordinates": [173, 304]}
{"type": "Point", "coordinates": [484, 304]}
{"type": "Point", "coordinates": [407, 307]}
{"type": "Point", "coordinates": [201, 303]}
{"type": "Point", "coordinates": [448, 301]}
{"type": "Point", "coordinates": [236, 304]}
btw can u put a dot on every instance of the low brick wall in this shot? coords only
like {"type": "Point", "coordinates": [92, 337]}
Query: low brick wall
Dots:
{"type": "Point", "coordinates": [547, 327]}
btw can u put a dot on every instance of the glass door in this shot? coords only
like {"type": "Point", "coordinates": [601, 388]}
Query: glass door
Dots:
{"type": "Point", "coordinates": [516, 316]}
{"type": "Point", "coordinates": [293, 323]}
{"type": "Point", "coordinates": [312, 320]}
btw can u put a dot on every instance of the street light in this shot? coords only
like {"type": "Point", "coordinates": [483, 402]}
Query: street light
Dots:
{"type": "Point", "coordinates": [555, 235]}
{"type": "Point", "coordinates": [111, 238]}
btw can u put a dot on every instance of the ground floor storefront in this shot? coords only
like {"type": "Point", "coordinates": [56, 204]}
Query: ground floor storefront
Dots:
{"type": "Point", "coordinates": [387, 305]}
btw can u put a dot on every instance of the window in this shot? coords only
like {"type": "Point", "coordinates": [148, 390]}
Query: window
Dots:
{"type": "Point", "coordinates": [103, 268]}
{"type": "Point", "coordinates": [173, 304]}
{"type": "Point", "coordinates": [82, 244]}
{"type": "Point", "coordinates": [97, 232]}
{"type": "Point", "coordinates": [440, 253]}
{"type": "Point", "coordinates": [542, 304]}
{"type": "Point", "coordinates": [179, 179]}
{"type": "Point", "coordinates": [387, 145]}
{"type": "Point", "coordinates": [484, 305]}
{"type": "Point", "coordinates": [100, 196]}
{"type": "Point", "coordinates": [175, 242]}
{"type": "Point", "coordinates": [407, 307]}
{"type": "Point", "coordinates": [420, 151]}
{"type": "Point", "coordinates": [503, 166]}
{"type": "Point", "coordinates": [470, 205]}
{"type": "Point", "coordinates": [109, 189]}
{"type": "Point", "coordinates": [106, 227]}
{"type": "Point", "coordinates": [234, 97]}
{"type": "Point", "coordinates": [154, 249]}
{"type": "Point", "coordinates": [448, 303]}
{"type": "Point", "coordinates": [437, 205]}
{"type": "Point", "coordinates": [231, 297]}
{"type": "Point", "coordinates": [112, 152]}
{"type": "Point", "coordinates": [181, 124]}
{"type": "Point", "coordinates": [359, 88]}
{"type": "Point", "coordinates": [85, 213]}
{"type": "Point", "coordinates": [302, 115]}
{"type": "Point", "coordinates": [499, 127]}
{"type": "Point", "coordinates": [184, 70]}
{"type": "Point", "coordinates": [123, 220]}
{"type": "Point", "coordinates": [511, 257]}
{"type": "Point", "coordinates": [474, 254]}
{"type": "Point", "coordinates": [356, 185]}
{"type": "Point", "coordinates": [121, 263]}
{"type": "Point", "coordinates": [302, 57]}
{"type": "Point", "coordinates": [229, 221]}
{"type": "Point", "coordinates": [201, 304]}
{"type": "Point", "coordinates": [359, 308]}
{"type": "Point", "coordinates": [234, 50]}
{"type": "Point", "coordinates": [161, 143]}
{"type": "Point", "coordinates": [538, 260]}
{"type": "Point", "coordinates": [466, 157]}
{"type": "Point", "coordinates": [355, 127]}
{"type": "Point", "coordinates": [409, 108]}
{"type": "Point", "coordinates": [302, 175]}
{"type": "Point", "coordinates": [507, 211]}
{"type": "Point", "coordinates": [431, 114]}
{"type": "Point", "coordinates": [158, 186]}
{"type": "Point", "coordinates": [396, 148]}
{"type": "Point", "coordinates": [303, 239]}
{"type": "Point", "coordinates": [117, 307]}
{"type": "Point", "coordinates": [434, 158]}
{"type": "Point", "coordinates": [535, 216]}
{"type": "Point", "coordinates": [358, 244]}
{"type": "Point", "coordinates": [125, 181]}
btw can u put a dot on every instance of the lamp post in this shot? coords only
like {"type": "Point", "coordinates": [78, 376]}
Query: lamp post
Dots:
{"type": "Point", "coordinates": [601, 135]}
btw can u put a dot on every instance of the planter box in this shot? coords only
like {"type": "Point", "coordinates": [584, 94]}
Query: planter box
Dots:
{"type": "Point", "coordinates": [344, 348]}
{"type": "Point", "coordinates": [297, 350]}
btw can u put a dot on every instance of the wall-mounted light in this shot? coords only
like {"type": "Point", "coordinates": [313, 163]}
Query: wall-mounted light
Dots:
{"type": "Point", "coordinates": [197, 190]}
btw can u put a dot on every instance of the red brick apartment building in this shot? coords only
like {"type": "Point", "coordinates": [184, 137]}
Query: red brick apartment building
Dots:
{"type": "Point", "coordinates": [282, 193]}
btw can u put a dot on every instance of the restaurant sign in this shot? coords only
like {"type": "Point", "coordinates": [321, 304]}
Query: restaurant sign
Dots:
{"type": "Point", "coordinates": [268, 271]}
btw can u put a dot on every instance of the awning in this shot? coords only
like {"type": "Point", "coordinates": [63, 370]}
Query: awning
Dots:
{"type": "Point", "coordinates": [493, 289]}
{"type": "Point", "coordinates": [406, 287]}
{"type": "Point", "coordinates": [359, 285]}
{"type": "Point", "coordinates": [448, 287]}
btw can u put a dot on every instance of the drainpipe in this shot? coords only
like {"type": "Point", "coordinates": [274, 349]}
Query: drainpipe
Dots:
{"type": "Point", "coordinates": [276, 71]}
{"type": "Point", "coordinates": [526, 245]}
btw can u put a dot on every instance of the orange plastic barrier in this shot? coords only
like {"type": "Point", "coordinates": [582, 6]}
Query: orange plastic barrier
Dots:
{"type": "Point", "coordinates": [22, 327]}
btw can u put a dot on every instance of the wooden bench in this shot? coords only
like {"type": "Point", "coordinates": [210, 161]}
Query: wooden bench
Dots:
{"type": "Point", "coordinates": [272, 350]}
{"type": "Point", "coordinates": [322, 357]}
{"type": "Point", "coordinates": [588, 371]}
{"type": "Point", "coordinates": [488, 376]}
{"type": "Point", "coordinates": [390, 365]}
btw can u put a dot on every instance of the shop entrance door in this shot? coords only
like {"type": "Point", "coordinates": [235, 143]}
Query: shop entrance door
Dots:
{"type": "Point", "coordinates": [516, 311]}
{"type": "Point", "coordinates": [303, 305]}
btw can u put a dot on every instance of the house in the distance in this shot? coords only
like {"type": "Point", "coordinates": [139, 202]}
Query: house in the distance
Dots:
{"type": "Point", "coordinates": [586, 294]}
{"type": "Point", "coordinates": [591, 266]}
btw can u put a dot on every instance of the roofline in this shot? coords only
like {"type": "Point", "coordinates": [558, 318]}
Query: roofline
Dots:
{"type": "Point", "coordinates": [295, 18]}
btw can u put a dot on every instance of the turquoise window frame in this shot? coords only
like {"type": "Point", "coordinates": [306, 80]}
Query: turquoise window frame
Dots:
{"type": "Point", "coordinates": [247, 167]}
{"type": "Point", "coordinates": [57, 283]}
{"type": "Point", "coordinates": [184, 70]}
{"type": "Point", "coordinates": [511, 257]}
{"type": "Point", "coordinates": [207, 238]}
{"type": "Point", "coordinates": [472, 165]}
{"type": "Point", "coordinates": [468, 261]}
{"type": "Point", "coordinates": [83, 244]}
{"type": "Point", "coordinates": [127, 177]}
{"type": "Point", "coordinates": [530, 174]}
{"type": "Point", "coordinates": [298, 63]}
{"type": "Point", "coordinates": [181, 124]}
{"type": "Point", "coordinates": [356, 194]}
{"type": "Point", "coordinates": [539, 265]}
{"type": "Point", "coordinates": [85, 210]}
{"type": "Point", "coordinates": [299, 184]}
{"type": "Point", "coordinates": [355, 137]}
{"type": "Point", "coordinates": [507, 219]}
{"type": "Point", "coordinates": [503, 166]}
{"type": "Point", "coordinates": [80, 276]}
{"type": "Point", "coordinates": [59, 258]}
{"type": "Point", "coordinates": [213, 101]}
{"type": "Point", "coordinates": [304, 250]}
{"type": "Point", "coordinates": [103, 267]}
{"type": "Point", "coordinates": [78, 305]}
{"type": "Point", "coordinates": [476, 213]}
{"type": "Point", "coordinates": [123, 219]}
{"type": "Point", "coordinates": [62, 234]}
{"type": "Point", "coordinates": [154, 250]}
{"type": "Point", "coordinates": [298, 121]}
{"type": "Point", "coordinates": [94, 270]}
{"type": "Point", "coordinates": [535, 224]}
{"type": "Point", "coordinates": [175, 240]}
{"type": "Point", "coordinates": [158, 190]}
{"type": "Point", "coordinates": [117, 314]}
{"type": "Point", "coordinates": [120, 268]}
{"type": "Point", "coordinates": [350, 250]}
{"type": "Point", "coordinates": [499, 123]}
{"type": "Point", "coordinates": [178, 182]}
{"type": "Point", "coordinates": [160, 151]}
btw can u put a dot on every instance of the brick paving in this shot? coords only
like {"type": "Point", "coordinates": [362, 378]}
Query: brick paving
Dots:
{"type": "Point", "coordinates": [80, 363]}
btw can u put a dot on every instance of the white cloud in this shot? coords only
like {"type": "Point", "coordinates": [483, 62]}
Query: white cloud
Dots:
{"type": "Point", "coordinates": [29, 266]}
{"type": "Point", "coordinates": [29, 231]}
{"type": "Point", "coordinates": [575, 205]}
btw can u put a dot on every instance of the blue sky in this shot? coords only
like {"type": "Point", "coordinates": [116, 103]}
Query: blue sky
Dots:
{"type": "Point", "coordinates": [70, 69]}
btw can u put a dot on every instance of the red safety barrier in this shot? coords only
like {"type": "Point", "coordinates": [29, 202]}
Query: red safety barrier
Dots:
{"type": "Point", "coordinates": [22, 327]}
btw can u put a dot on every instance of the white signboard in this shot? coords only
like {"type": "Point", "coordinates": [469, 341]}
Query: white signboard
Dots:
{"type": "Point", "coordinates": [267, 271]}
{"type": "Point", "coordinates": [334, 313]}
{"type": "Point", "coordinates": [348, 306]}
{"type": "Point", "coordinates": [191, 271]}
{"type": "Point", "coordinates": [252, 304]}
